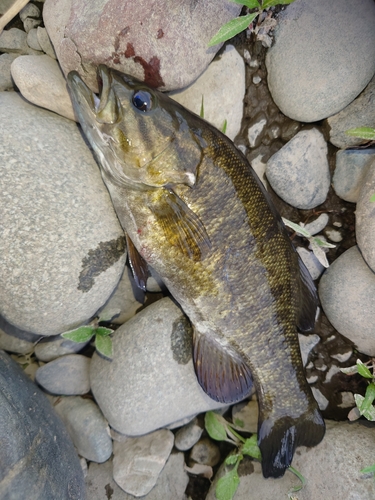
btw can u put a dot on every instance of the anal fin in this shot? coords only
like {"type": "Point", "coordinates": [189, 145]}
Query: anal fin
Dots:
{"type": "Point", "coordinates": [138, 265]}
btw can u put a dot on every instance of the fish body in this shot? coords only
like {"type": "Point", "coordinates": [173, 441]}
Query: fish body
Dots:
{"type": "Point", "coordinates": [194, 210]}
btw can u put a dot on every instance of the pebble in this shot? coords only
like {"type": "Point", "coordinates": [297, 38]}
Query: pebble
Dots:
{"type": "Point", "coordinates": [312, 264]}
{"type": "Point", "coordinates": [245, 416]}
{"type": "Point", "coordinates": [157, 50]}
{"type": "Point", "coordinates": [138, 462]}
{"type": "Point", "coordinates": [205, 452]}
{"type": "Point", "coordinates": [327, 69]}
{"type": "Point", "coordinates": [299, 171]}
{"type": "Point", "coordinates": [41, 81]}
{"type": "Point", "coordinates": [87, 427]}
{"type": "Point", "coordinates": [50, 348]}
{"type": "Point", "coordinates": [45, 42]}
{"type": "Point", "coordinates": [153, 353]}
{"type": "Point", "coordinates": [68, 375]}
{"type": "Point", "coordinates": [347, 295]}
{"type": "Point", "coordinates": [32, 39]}
{"type": "Point", "coordinates": [30, 10]}
{"type": "Point", "coordinates": [222, 87]}
{"type": "Point", "coordinates": [256, 130]}
{"type": "Point", "coordinates": [62, 247]}
{"type": "Point", "coordinates": [188, 435]}
{"type": "Point", "coordinates": [317, 225]}
{"type": "Point", "coordinates": [38, 459]}
{"type": "Point", "coordinates": [351, 168]}
{"type": "Point", "coordinates": [332, 469]}
{"type": "Point", "coordinates": [306, 344]}
{"type": "Point", "coordinates": [365, 217]}
{"type": "Point", "coordinates": [6, 82]}
{"type": "Point", "coordinates": [14, 344]}
{"type": "Point", "coordinates": [320, 398]}
{"type": "Point", "coordinates": [15, 41]}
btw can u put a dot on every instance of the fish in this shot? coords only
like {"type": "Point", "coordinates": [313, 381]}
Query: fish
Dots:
{"type": "Point", "coordinates": [193, 209]}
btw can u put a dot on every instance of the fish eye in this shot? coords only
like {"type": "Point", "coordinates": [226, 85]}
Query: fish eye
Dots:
{"type": "Point", "coordinates": [142, 100]}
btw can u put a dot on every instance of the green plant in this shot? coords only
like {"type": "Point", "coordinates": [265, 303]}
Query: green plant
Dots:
{"type": "Point", "coordinates": [103, 341]}
{"type": "Point", "coordinates": [221, 430]}
{"type": "Point", "coordinates": [239, 24]}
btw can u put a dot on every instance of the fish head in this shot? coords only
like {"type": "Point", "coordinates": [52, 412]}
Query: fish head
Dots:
{"type": "Point", "coordinates": [141, 136]}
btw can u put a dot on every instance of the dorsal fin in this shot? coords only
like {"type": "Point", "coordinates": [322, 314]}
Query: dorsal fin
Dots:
{"type": "Point", "coordinates": [308, 300]}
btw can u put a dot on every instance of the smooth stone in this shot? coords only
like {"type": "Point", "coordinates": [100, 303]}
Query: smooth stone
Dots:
{"type": "Point", "coordinates": [222, 88]}
{"type": "Point", "coordinates": [347, 295]}
{"type": "Point", "coordinates": [312, 264]}
{"type": "Point", "coordinates": [6, 82]}
{"type": "Point", "coordinates": [256, 130]}
{"type": "Point", "coordinates": [38, 459]}
{"type": "Point", "coordinates": [14, 344]}
{"type": "Point", "coordinates": [317, 225]}
{"type": "Point", "coordinates": [245, 416]}
{"type": "Point", "coordinates": [50, 348]}
{"type": "Point", "coordinates": [205, 452]}
{"type": "Point", "coordinates": [15, 41]}
{"type": "Point", "coordinates": [45, 42]}
{"type": "Point", "coordinates": [153, 353]}
{"type": "Point", "coordinates": [365, 217]}
{"type": "Point", "coordinates": [86, 426]}
{"type": "Point", "coordinates": [328, 473]}
{"type": "Point", "coordinates": [32, 40]}
{"type": "Point", "coordinates": [299, 171]}
{"type": "Point", "coordinates": [351, 168]}
{"type": "Point", "coordinates": [188, 435]}
{"type": "Point", "coordinates": [359, 113]}
{"type": "Point", "coordinates": [314, 76]}
{"type": "Point", "coordinates": [30, 10]}
{"type": "Point", "coordinates": [42, 82]}
{"type": "Point", "coordinates": [68, 375]}
{"type": "Point", "coordinates": [138, 462]}
{"type": "Point", "coordinates": [62, 246]}
{"type": "Point", "coordinates": [30, 24]}
{"type": "Point", "coordinates": [166, 51]}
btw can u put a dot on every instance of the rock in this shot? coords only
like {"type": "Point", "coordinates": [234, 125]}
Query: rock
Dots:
{"type": "Point", "coordinates": [137, 37]}
{"type": "Point", "coordinates": [347, 294]}
{"type": "Point", "coordinates": [312, 264]}
{"type": "Point", "coordinates": [6, 82]}
{"type": "Point", "coordinates": [299, 171]}
{"type": "Point", "coordinates": [45, 42]}
{"type": "Point", "coordinates": [138, 462]}
{"type": "Point", "coordinates": [187, 436]}
{"type": "Point", "coordinates": [41, 81]}
{"type": "Point", "coordinates": [365, 217]}
{"type": "Point", "coordinates": [100, 484]}
{"type": "Point", "coordinates": [4, 5]}
{"type": "Point", "coordinates": [30, 10]}
{"type": "Point", "coordinates": [68, 375]}
{"type": "Point", "coordinates": [257, 129]}
{"type": "Point", "coordinates": [245, 416]}
{"type": "Point", "coordinates": [351, 167]}
{"type": "Point", "coordinates": [222, 88]}
{"type": "Point", "coordinates": [315, 76]}
{"type": "Point", "coordinates": [50, 348]}
{"type": "Point", "coordinates": [153, 353]}
{"type": "Point", "coordinates": [327, 474]}
{"type": "Point", "coordinates": [360, 113]}
{"type": "Point", "coordinates": [61, 244]}
{"type": "Point", "coordinates": [30, 24]}
{"type": "Point", "coordinates": [306, 344]}
{"type": "Point", "coordinates": [317, 225]}
{"type": "Point", "coordinates": [14, 41]}
{"type": "Point", "coordinates": [14, 344]}
{"type": "Point", "coordinates": [205, 452]}
{"type": "Point", "coordinates": [86, 426]}
{"type": "Point", "coordinates": [32, 39]}
{"type": "Point", "coordinates": [38, 459]}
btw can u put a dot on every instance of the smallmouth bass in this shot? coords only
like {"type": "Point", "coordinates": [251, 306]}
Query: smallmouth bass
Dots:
{"type": "Point", "coordinates": [194, 210]}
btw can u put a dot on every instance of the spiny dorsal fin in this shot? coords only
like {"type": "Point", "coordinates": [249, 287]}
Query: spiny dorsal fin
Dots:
{"type": "Point", "coordinates": [221, 372]}
{"type": "Point", "coordinates": [309, 300]}
{"type": "Point", "coordinates": [138, 265]}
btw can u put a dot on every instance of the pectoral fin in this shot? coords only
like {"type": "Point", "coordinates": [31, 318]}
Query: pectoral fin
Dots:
{"type": "Point", "coordinates": [181, 225]}
{"type": "Point", "coordinates": [138, 265]}
{"type": "Point", "coordinates": [309, 300]}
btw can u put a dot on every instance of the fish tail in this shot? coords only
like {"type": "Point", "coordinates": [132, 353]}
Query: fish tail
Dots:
{"type": "Point", "coordinates": [278, 437]}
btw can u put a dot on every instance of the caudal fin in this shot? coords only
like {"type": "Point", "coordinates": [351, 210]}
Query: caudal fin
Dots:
{"type": "Point", "coordinates": [278, 439]}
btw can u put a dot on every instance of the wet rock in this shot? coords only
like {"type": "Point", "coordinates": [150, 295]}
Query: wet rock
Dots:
{"type": "Point", "coordinates": [347, 294]}
{"type": "Point", "coordinates": [38, 459]}
{"type": "Point", "coordinates": [152, 352]}
{"type": "Point", "coordinates": [50, 348]}
{"type": "Point", "coordinates": [86, 426]}
{"type": "Point", "coordinates": [312, 77]}
{"type": "Point", "coordinates": [205, 452]}
{"type": "Point", "coordinates": [68, 375]}
{"type": "Point", "coordinates": [6, 82]}
{"type": "Point", "coordinates": [61, 244]}
{"type": "Point", "coordinates": [222, 87]}
{"type": "Point", "coordinates": [14, 41]}
{"type": "Point", "coordinates": [351, 167]}
{"type": "Point", "coordinates": [187, 436]}
{"type": "Point", "coordinates": [41, 81]}
{"type": "Point", "coordinates": [137, 37]}
{"type": "Point", "coordinates": [365, 217]}
{"type": "Point", "coordinates": [299, 171]}
{"type": "Point", "coordinates": [14, 344]}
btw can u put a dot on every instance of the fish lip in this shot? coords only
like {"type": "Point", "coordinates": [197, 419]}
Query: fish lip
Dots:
{"type": "Point", "coordinates": [105, 82]}
{"type": "Point", "coordinates": [81, 92]}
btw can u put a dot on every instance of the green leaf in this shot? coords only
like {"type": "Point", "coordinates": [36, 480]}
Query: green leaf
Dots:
{"type": "Point", "coordinates": [103, 332]}
{"type": "Point", "coordinates": [368, 470]}
{"type": "Point", "coordinates": [104, 346]}
{"type": "Point", "coordinates": [251, 448]}
{"type": "Point", "coordinates": [82, 334]}
{"type": "Point", "coordinates": [232, 28]}
{"type": "Point", "coordinates": [363, 370]}
{"type": "Point", "coordinates": [323, 243]}
{"type": "Point", "coordinates": [201, 113]}
{"type": "Point", "coordinates": [224, 127]}
{"type": "Point", "coordinates": [214, 427]}
{"type": "Point", "coordinates": [319, 252]}
{"type": "Point", "coordinates": [227, 485]}
{"type": "Point", "coordinates": [270, 3]}
{"type": "Point", "coordinates": [251, 4]}
{"type": "Point", "coordinates": [297, 228]}
{"type": "Point", "coordinates": [366, 133]}
{"type": "Point", "coordinates": [233, 459]}
{"type": "Point", "coordinates": [350, 370]}
{"type": "Point", "coordinates": [300, 477]}
{"type": "Point", "coordinates": [368, 413]}
{"type": "Point", "coordinates": [372, 197]}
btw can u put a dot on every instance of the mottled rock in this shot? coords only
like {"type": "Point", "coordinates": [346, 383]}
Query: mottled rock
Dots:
{"type": "Point", "coordinates": [6, 82]}
{"type": "Point", "coordinates": [312, 77]}
{"type": "Point", "coordinates": [68, 375]}
{"type": "Point", "coordinates": [365, 217]}
{"type": "Point", "coordinates": [38, 459]}
{"type": "Point", "coordinates": [205, 452]}
{"type": "Point", "coordinates": [188, 435]}
{"type": "Point", "coordinates": [50, 348]}
{"type": "Point", "coordinates": [61, 244]}
{"type": "Point", "coordinates": [351, 167]}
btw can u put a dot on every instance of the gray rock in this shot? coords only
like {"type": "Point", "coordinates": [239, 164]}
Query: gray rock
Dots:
{"type": "Point", "coordinates": [222, 87]}
{"type": "Point", "coordinates": [41, 81]}
{"type": "Point", "coordinates": [61, 244]}
{"type": "Point", "coordinates": [314, 76]}
{"type": "Point", "coordinates": [38, 459]}
{"type": "Point", "coordinates": [347, 294]}
{"type": "Point", "coordinates": [45, 42]}
{"type": "Point", "coordinates": [68, 375]}
{"type": "Point", "coordinates": [365, 217]}
{"type": "Point", "coordinates": [299, 171]}
{"type": "Point", "coordinates": [15, 42]}
{"type": "Point", "coordinates": [187, 436]}
{"type": "Point", "coordinates": [153, 353]}
{"type": "Point", "coordinates": [256, 130]}
{"type": "Point", "coordinates": [312, 264]}
{"type": "Point", "coordinates": [50, 348]}
{"type": "Point", "coordinates": [6, 82]}
{"type": "Point", "coordinates": [205, 452]}
{"type": "Point", "coordinates": [306, 344]}
{"type": "Point", "coordinates": [100, 484]}
{"type": "Point", "coordinates": [30, 10]}
{"type": "Point", "coordinates": [14, 344]}
{"type": "Point", "coordinates": [138, 462]}
{"type": "Point", "coordinates": [30, 24]}
{"type": "Point", "coordinates": [32, 39]}
{"type": "Point", "coordinates": [318, 224]}
{"type": "Point", "coordinates": [157, 50]}
{"type": "Point", "coordinates": [86, 426]}
{"type": "Point", "coordinates": [360, 113]}
{"type": "Point", "coordinates": [331, 469]}
{"type": "Point", "coordinates": [351, 167]}
{"type": "Point", "coordinates": [245, 416]}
